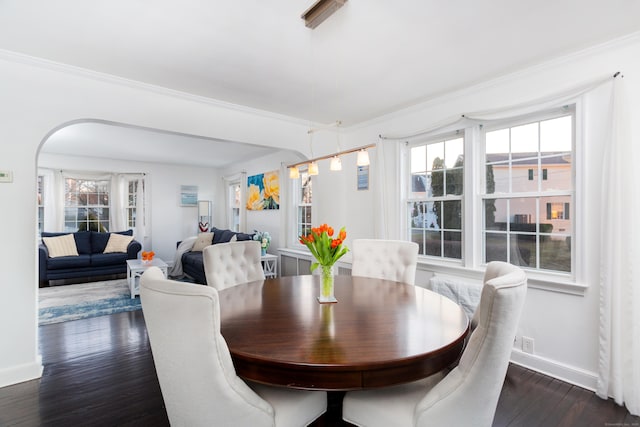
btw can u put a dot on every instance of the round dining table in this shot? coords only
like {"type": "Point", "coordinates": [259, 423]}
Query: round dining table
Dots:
{"type": "Point", "coordinates": [379, 333]}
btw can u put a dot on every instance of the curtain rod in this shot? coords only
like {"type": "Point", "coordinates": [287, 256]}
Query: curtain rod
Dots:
{"type": "Point", "coordinates": [352, 150]}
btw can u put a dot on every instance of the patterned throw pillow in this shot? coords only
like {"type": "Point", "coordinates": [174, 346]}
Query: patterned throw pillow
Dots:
{"type": "Point", "coordinates": [117, 243]}
{"type": "Point", "coordinates": [203, 240]}
{"type": "Point", "coordinates": [61, 246]}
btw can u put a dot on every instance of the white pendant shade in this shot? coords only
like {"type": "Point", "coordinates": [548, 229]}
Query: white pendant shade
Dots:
{"type": "Point", "coordinates": [336, 164]}
{"type": "Point", "coordinates": [313, 168]}
{"type": "Point", "coordinates": [294, 173]}
{"type": "Point", "coordinates": [363, 158]}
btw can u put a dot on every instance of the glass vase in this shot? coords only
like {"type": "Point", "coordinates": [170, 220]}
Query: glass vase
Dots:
{"type": "Point", "coordinates": [326, 285]}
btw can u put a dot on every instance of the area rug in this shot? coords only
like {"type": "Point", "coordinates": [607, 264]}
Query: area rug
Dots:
{"type": "Point", "coordinates": [72, 302]}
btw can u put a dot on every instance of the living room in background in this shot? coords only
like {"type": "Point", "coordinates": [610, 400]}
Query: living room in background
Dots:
{"type": "Point", "coordinates": [435, 195]}
{"type": "Point", "coordinates": [76, 201]}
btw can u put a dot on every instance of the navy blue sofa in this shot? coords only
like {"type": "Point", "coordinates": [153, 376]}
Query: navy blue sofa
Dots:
{"type": "Point", "coordinates": [192, 262]}
{"type": "Point", "coordinates": [90, 261]}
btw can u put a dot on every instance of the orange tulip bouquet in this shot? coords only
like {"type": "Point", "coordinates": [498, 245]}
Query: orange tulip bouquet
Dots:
{"type": "Point", "coordinates": [326, 250]}
{"type": "Point", "coordinates": [147, 257]}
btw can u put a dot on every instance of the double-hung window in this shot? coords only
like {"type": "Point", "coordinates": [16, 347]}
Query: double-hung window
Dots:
{"type": "Point", "coordinates": [436, 194]}
{"type": "Point", "coordinates": [233, 200]}
{"type": "Point", "coordinates": [87, 205]}
{"type": "Point", "coordinates": [529, 192]}
{"type": "Point", "coordinates": [520, 204]}
{"type": "Point", "coordinates": [132, 202]}
{"type": "Point", "coordinates": [304, 203]}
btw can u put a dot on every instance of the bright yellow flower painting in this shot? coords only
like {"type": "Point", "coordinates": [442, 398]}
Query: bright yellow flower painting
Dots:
{"type": "Point", "coordinates": [263, 191]}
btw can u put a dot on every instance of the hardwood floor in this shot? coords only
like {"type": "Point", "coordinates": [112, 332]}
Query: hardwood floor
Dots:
{"type": "Point", "coordinates": [99, 372]}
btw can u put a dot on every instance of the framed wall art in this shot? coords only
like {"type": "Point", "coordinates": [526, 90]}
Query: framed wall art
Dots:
{"type": "Point", "coordinates": [363, 177]}
{"type": "Point", "coordinates": [188, 195]}
{"type": "Point", "coordinates": [263, 191]}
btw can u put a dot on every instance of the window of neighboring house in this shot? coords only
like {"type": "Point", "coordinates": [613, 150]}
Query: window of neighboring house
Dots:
{"type": "Point", "coordinates": [40, 204]}
{"type": "Point", "coordinates": [234, 205]}
{"type": "Point", "coordinates": [86, 205]}
{"type": "Point", "coordinates": [435, 196]}
{"type": "Point", "coordinates": [304, 200]}
{"type": "Point", "coordinates": [528, 192]}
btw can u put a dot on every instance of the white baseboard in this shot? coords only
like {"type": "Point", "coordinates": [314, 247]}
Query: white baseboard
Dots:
{"type": "Point", "coordinates": [570, 374]}
{"type": "Point", "coordinates": [21, 373]}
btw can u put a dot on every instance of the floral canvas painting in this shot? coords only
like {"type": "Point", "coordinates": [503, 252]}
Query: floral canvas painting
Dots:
{"type": "Point", "coordinates": [263, 191]}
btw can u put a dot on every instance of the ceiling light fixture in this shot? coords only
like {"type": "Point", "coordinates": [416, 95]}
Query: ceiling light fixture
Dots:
{"type": "Point", "coordinates": [313, 163]}
{"type": "Point", "coordinates": [319, 11]}
{"type": "Point", "coordinates": [294, 173]}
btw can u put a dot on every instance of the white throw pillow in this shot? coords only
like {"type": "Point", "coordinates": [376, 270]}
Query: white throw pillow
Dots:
{"type": "Point", "coordinates": [117, 243]}
{"type": "Point", "coordinates": [203, 240]}
{"type": "Point", "coordinates": [58, 246]}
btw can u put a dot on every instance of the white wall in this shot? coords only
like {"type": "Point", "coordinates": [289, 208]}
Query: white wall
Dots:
{"type": "Point", "coordinates": [564, 327]}
{"type": "Point", "coordinates": [37, 98]}
{"type": "Point", "coordinates": [168, 221]}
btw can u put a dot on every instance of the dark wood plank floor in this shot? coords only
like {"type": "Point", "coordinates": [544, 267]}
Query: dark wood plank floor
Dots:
{"type": "Point", "coordinates": [99, 372]}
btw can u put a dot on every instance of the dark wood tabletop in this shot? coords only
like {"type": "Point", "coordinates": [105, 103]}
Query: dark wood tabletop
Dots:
{"type": "Point", "coordinates": [379, 333]}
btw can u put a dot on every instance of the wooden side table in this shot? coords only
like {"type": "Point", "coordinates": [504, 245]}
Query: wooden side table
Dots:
{"type": "Point", "coordinates": [135, 268]}
{"type": "Point", "coordinates": [270, 265]}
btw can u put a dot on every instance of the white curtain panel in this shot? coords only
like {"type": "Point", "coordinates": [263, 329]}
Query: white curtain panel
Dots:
{"type": "Point", "coordinates": [139, 229]}
{"type": "Point", "coordinates": [53, 197]}
{"type": "Point", "coordinates": [118, 199]}
{"type": "Point", "coordinates": [619, 359]}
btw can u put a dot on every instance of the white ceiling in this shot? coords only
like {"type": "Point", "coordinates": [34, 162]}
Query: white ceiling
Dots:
{"type": "Point", "coordinates": [105, 141]}
{"type": "Point", "coordinates": [370, 58]}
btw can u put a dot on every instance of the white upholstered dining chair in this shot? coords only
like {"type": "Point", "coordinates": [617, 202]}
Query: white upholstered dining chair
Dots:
{"type": "Point", "coordinates": [385, 259]}
{"type": "Point", "coordinates": [233, 263]}
{"type": "Point", "coordinates": [195, 370]}
{"type": "Point", "coordinates": [468, 395]}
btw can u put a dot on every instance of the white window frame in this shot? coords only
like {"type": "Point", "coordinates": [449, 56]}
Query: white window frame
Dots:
{"type": "Point", "coordinates": [234, 203]}
{"type": "Point", "coordinates": [472, 264]}
{"type": "Point", "coordinates": [296, 199]}
{"type": "Point", "coordinates": [409, 201]}
{"type": "Point", "coordinates": [131, 206]}
{"type": "Point", "coordinates": [87, 206]}
{"type": "Point", "coordinates": [538, 194]}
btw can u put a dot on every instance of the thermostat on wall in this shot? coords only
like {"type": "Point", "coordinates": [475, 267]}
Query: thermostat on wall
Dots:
{"type": "Point", "coordinates": [6, 176]}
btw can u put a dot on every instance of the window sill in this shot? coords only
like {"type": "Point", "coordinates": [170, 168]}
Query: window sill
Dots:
{"type": "Point", "coordinates": [544, 281]}
{"type": "Point", "coordinates": [535, 280]}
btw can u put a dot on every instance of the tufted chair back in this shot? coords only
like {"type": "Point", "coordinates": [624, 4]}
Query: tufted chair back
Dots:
{"type": "Point", "coordinates": [196, 374]}
{"type": "Point", "coordinates": [385, 259]}
{"type": "Point", "coordinates": [468, 395]}
{"type": "Point", "coordinates": [475, 384]}
{"type": "Point", "coordinates": [197, 378]}
{"type": "Point", "coordinates": [233, 263]}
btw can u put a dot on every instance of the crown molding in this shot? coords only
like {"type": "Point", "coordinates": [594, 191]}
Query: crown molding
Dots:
{"type": "Point", "coordinates": [135, 84]}
{"type": "Point", "coordinates": [501, 79]}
